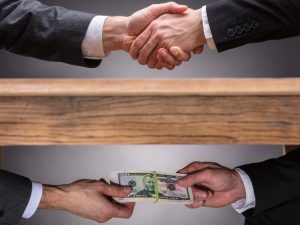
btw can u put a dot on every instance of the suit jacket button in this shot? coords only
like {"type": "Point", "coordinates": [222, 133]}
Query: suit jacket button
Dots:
{"type": "Point", "coordinates": [230, 32]}
{"type": "Point", "coordinates": [238, 30]}
{"type": "Point", "coordinates": [246, 27]}
{"type": "Point", "coordinates": [254, 25]}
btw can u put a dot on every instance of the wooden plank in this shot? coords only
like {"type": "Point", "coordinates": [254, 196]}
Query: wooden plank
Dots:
{"type": "Point", "coordinates": [150, 120]}
{"type": "Point", "coordinates": [199, 87]}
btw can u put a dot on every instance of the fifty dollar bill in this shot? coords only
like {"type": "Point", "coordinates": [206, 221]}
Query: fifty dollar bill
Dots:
{"type": "Point", "coordinates": [154, 186]}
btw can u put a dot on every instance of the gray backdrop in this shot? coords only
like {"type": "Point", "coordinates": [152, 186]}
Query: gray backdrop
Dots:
{"type": "Point", "coordinates": [58, 165]}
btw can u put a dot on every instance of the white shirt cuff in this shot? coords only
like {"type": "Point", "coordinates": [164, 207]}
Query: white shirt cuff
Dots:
{"type": "Point", "coordinates": [34, 201]}
{"type": "Point", "coordinates": [243, 205]}
{"type": "Point", "coordinates": [92, 45]}
{"type": "Point", "coordinates": [207, 31]}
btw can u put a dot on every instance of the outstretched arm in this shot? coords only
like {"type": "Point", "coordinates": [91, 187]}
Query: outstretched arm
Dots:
{"type": "Point", "coordinates": [90, 199]}
{"type": "Point", "coordinates": [30, 28]}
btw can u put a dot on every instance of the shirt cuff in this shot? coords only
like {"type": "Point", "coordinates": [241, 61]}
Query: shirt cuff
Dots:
{"type": "Point", "coordinates": [34, 201]}
{"type": "Point", "coordinates": [243, 205]}
{"type": "Point", "coordinates": [207, 31]}
{"type": "Point", "coordinates": [92, 45]}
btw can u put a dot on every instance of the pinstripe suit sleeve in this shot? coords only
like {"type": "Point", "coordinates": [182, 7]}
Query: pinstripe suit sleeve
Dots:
{"type": "Point", "coordinates": [29, 28]}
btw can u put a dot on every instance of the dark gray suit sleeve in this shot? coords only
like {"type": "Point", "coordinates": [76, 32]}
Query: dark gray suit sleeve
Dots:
{"type": "Point", "coordinates": [15, 192]}
{"type": "Point", "coordinates": [275, 182]}
{"type": "Point", "coordinates": [30, 28]}
{"type": "Point", "coordinates": [237, 22]}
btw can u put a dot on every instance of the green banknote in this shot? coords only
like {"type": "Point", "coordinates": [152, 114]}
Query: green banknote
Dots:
{"type": "Point", "coordinates": [154, 186]}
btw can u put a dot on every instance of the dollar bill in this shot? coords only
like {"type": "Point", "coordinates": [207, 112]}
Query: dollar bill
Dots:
{"type": "Point", "coordinates": [154, 186]}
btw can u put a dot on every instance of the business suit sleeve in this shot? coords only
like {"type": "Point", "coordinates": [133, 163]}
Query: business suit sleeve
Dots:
{"type": "Point", "coordinates": [51, 33]}
{"type": "Point", "coordinates": [235, 23]}
{"type": "Point", "coordinates": [15, 193]}
{"type": "Point", "coordinates": [275, 182]}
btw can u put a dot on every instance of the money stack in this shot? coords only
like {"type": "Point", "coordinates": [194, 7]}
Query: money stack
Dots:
{"type": "Point", "coordinates": [154, 186]}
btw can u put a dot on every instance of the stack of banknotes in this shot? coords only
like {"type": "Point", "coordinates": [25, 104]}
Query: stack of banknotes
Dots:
{"type": "Point", "coordinates": [153, 186]}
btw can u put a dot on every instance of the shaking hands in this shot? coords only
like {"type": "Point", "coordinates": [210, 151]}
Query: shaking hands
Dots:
{"type": "Point", "coordinates": [159, 36]}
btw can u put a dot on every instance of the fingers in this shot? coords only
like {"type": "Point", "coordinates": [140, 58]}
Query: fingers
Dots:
{"type": "Point", "coordinates": [200, 177]}
{"type": "Point", "coordinates": [164, 56]}
{"type": "Point", "coordinates": [195, 166]}
{"type": "Point", "coordinates": [169, 7]}
{"type": "Point", "coordinates": [141, 19]}
{"type": "Point", "coordinates": [139, 43]}
{"type": "Point", "coordinates": [192, 167]}
{"type": "Point", "coordinates": [179, 54]}
{"type": "Point", "coordinates": [198, 50]}
{"type": "Point", "coordinates": [195, 205]}
{"type": "Point", "coordinates": [174, 57]}
{"type": "Point", "coordinates": [117, 210]}
{"type": "Point", "coordinates": [200, 195]}
{"type": "Point", "coordinates": [152, 60]}
{"type": "Point", "coordinates": [164, 64]}
{"type": "Point", "coordinates": [114, 190]}
{"type": "Point", "coordinates": [146, 51]}
{"type": "Point", "coordinates": [158, 66]}
{"type": "Point", "coordinates": [151, 13]}
{"type": "Point", "coordinates": [123, 210]}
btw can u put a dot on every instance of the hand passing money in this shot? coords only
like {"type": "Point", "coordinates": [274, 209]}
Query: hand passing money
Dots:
{"type": "Point", "coordinates": [154, 186]}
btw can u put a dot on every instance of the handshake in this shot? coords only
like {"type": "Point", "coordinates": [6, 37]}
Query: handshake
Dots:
{"type": "Point", "coordinates": [212, 185]}
{"type": "Point", "coordinates": [159, 36]}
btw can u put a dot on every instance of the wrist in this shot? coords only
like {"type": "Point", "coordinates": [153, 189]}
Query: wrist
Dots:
{"type": "Point", "coordinates": [114, 33]}
{"type": "Point", "coordinates": [53, 197]}
{"type": "Point", "coordinates": [202, 37]}
{"type": "Point", "coordinates": [240, 191]}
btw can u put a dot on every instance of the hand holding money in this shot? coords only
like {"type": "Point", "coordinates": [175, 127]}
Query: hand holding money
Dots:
{"type": "Point", "coordinates": [90, 199]}
{"type": "Point", "coordinates": [153, 186]}
{"type": "Point", "coordinates": [213, 185]}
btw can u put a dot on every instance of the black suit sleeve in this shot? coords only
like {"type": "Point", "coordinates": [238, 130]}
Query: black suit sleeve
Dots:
{"type": "Point", "coordinates": [237, 22]}
{"type": "Point", "coordinates": [276, 182]}
{"type": "Point", "coordinates": [15, 193]}
{"type": "Point", "coordinates": [30, 28]}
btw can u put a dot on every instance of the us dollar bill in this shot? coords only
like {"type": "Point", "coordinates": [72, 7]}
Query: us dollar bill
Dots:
{"type": "Point", "coordinates": [153, 186]}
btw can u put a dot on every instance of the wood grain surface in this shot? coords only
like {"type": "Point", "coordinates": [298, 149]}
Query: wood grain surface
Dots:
{"type": "Point", "coordinates": [156, 87]}
{"type": "Point", "coordinates": [171, 119]}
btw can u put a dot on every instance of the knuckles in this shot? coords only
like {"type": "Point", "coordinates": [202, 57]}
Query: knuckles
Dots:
{"type": "Point", "coordinates": [154, 26]}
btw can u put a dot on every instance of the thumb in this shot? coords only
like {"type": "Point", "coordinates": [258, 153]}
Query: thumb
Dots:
{"type": "Point", "coordinates": [192, 179]}
{"type": "Point", "coordinates": [114, 190]}
{"type": "Point", "coordinates": [169, 7]}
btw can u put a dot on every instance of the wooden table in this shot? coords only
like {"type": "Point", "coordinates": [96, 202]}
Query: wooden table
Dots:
{"type": "Point", "coordinates": [194, 111]}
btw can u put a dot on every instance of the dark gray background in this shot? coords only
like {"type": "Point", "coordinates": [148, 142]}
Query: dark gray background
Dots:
{"type": "Point", "coordinates": [273, 58]}
{"type": "Point", "coordinates": [58, 165]}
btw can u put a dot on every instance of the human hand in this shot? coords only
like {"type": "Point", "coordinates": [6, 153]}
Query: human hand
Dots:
{"type": "Point", "coordinates": [183, 30]}
{"type": "Point", "coordinates": [169, 58]}
{"type": "Point", "coordinates": [119, 32]}
{"type": "Point", "coordinates": [90, 199]}
{"type": "Point", "coordinates": [213, 185]}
